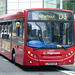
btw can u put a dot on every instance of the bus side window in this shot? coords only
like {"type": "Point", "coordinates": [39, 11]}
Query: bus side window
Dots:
{"type": "Point", "coordinates": [0, 31]}
{"type": "Point", "coordinates": [6, 32]}
{"type": "Point", "coordinates": [14, 32]}
{"type": "Point", "coordinates": [9, 30]}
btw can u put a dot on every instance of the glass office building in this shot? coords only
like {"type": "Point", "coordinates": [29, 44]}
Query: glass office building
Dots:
{"type": "Point", "coordinates": [3, 7]}
{"type": "Point", "coordinates": [10, 6]}
{"type": "Point", "coordinates": [52, 3]}
{"type": "Point", "coordinates": [62, 4]}
{"type": "Point", "coordinates": [69, 4]}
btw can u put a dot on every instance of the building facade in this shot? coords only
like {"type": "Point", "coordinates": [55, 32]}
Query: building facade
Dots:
{"type": "Point", "coordinates": [62, 4]}
{"type": "Point", "coordinates": [52, 4]}
{"type": "Point", "coordinates": [18, 5]}
{"type": "Point", "coordinates": [69, 4]}
{"type": "Point", "coordinates": [10, 6]}
{"type": "Point", "coordinates": [3, 7]}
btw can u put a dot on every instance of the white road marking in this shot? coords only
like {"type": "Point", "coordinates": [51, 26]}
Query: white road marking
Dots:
{"type": "Point", "coordinates": [69, 72]}
{"type": "Point", "coordinates": [74, 63]}
{"type": "Point", "coordinates": [69, 65]}
{"type": "Point", "coordinates": [5, 60]}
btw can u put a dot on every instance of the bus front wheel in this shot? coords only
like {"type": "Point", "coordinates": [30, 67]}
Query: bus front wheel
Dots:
{"type": "Point", "coordinates": [13, 56]}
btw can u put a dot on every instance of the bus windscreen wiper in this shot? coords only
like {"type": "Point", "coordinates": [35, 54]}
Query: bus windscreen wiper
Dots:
{"type": "Point", "coordinates": [46, 45]}
{"type": "Point", "coordinates": [62, 47]}
{"type": "Point", "coordinates": [37, 48]}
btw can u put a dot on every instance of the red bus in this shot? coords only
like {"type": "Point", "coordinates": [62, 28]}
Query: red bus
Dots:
{"type": "Point", "coordinates": [40, 36]}
{"type": "Point", "coordinates": [74, 35]}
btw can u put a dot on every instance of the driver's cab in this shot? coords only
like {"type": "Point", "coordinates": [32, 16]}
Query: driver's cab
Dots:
{"type": "Point", "coordinates": [33, 32]}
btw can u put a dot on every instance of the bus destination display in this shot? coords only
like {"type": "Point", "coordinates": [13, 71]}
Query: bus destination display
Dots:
{"type": "Point", "coordinates": [50, 15]}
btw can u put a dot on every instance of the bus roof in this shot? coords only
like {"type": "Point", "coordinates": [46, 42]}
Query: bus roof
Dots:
{"type": "Point", "coordinates": [11, 16]}
{"type": "Point", "coordinates": [50, 9]}
{"type": "Point", "coordinates": [21, 13]}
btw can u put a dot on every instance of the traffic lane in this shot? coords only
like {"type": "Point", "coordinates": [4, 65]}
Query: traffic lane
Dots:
{"type": "Point", "coordinates": [70, 71]}
{"type": "Point", "coordinates": [8, 68]}
{"type": "Point", "coordinates": [69, 67]}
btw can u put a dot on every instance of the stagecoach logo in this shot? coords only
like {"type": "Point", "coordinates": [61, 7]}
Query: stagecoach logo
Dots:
{"type": "Point", "coordinates": [44, 52]}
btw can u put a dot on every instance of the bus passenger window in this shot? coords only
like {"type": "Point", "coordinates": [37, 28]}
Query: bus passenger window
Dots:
{"type": "Point", "coordinates": [6, 32]}
{"type": "Point", "coordinates": [14, 32]}
{"type": "Point", "coordinates": [9, 30]}
{"type": "Point", "coordinates": [1, 31]}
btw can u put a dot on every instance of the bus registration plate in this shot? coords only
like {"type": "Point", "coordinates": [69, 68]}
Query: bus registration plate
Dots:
{"type": "Point", "coordinates": [51, 63]}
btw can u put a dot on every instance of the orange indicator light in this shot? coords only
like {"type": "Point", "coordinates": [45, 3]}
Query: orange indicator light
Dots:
{"type": "Point", "coordinates": [29, 52]}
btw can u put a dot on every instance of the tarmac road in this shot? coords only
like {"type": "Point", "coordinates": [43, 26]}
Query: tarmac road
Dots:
{"type": "Point", "coordinates": [8, 68]}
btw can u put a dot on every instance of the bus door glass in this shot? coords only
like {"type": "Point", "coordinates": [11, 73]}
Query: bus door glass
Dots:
{"type": "Point", "coordinates": [20, 30]}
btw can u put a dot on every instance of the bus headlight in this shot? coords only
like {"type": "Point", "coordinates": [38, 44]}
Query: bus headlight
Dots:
{"type": "Point", "coordinates": [29, 52]}
{"type": "Point", "coordinates": [32, 54]}
{"type": "Point", "coordinates": [69, 53]}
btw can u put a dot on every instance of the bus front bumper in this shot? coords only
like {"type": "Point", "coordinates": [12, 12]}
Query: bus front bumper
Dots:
{"type": "Point", "coordinates": [29, 61]}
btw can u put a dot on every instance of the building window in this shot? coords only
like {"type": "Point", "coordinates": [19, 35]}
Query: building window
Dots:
{"type": "Point", "coordinates": [52, 4]}
{"type": "Point", "coordinates": [3, 7]}
{"type": "Point", "coordinates": [69, 4]}
{"type": "Point", "coordinates": [73, 6]}
{"type": "Point", "coordinates": [66, 5]}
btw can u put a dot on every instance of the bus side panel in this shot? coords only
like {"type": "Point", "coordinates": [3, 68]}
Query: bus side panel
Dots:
{"type": "Point", "coordinates": [8, 52]}
{"type": "Point", "coordinates": [74, 37]}
{"type": "Point", "coordinates": [4, 49]}
{"type": "Point", "coordinates": [19, 53]}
